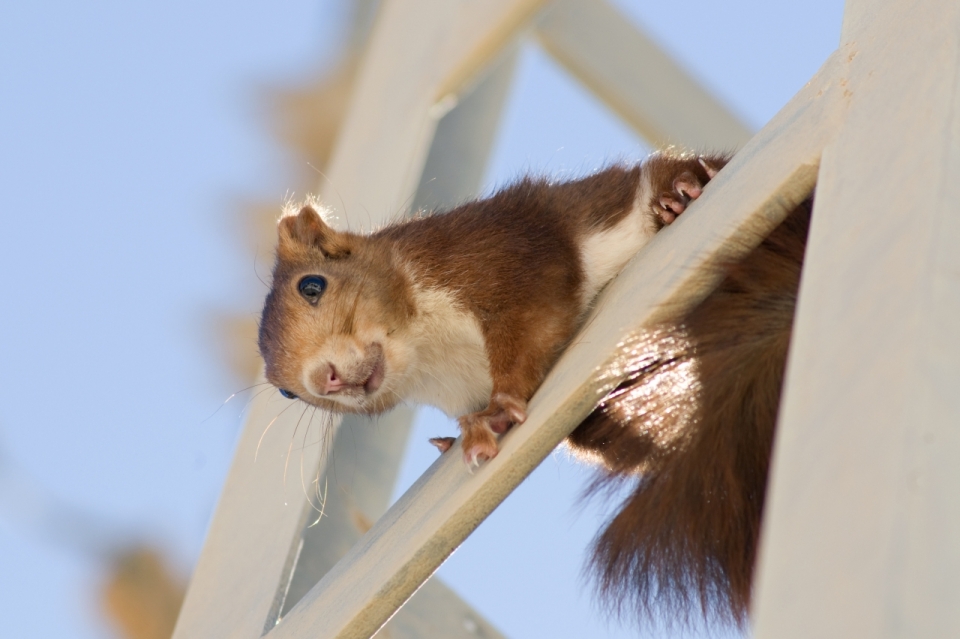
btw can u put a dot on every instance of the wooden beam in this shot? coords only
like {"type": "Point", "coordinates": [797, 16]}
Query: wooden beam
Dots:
{"type": "Point", "coordinates": [464, 139]}
{"type": "Point", "coordinates": [421, 52]}
{"type": "Point", "coordinates": [773, 173]}
{"type": "Point", "coordinates": [857, 16]}
{"type": "Point", "coordinates": [354, 491]}
{"type": "Point", "coordinates": [632, 74]}
{"type": "Point", "coordinates": [481, 32]}
{"type": "Point", "coordinates": [248, 551]}
{"type": "Point", "coordinates": [862, 533]}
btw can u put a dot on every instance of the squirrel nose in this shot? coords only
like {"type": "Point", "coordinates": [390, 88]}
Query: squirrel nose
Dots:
{"type": "Point", "coordinates": [331, 381]}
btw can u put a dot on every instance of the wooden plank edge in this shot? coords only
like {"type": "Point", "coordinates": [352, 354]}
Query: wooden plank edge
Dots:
{"type": "Point", "coordinates": [572, 40]}
{"type": "Point", "coordinates": [478, 36]}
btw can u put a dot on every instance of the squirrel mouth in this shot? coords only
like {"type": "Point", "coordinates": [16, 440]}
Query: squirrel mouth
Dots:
{"type": "Point", "coordinates": [353, 382]}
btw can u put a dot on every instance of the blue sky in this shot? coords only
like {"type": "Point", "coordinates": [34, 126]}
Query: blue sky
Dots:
{"type": "Point", "coordinates": [130, 133]}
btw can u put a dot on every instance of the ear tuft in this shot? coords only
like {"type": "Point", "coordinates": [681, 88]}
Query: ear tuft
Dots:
{"type": "Point", "coordinates": [303, 227]}
{"type": "Point", "coordinates": [306, 228]}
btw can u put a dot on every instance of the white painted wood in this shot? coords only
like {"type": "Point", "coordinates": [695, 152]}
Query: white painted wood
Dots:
{"type": "Point", "coordinates": [636, 78]}
{"type": "Point", "coordinates": [248, 550]}
{"type": "Point", "coordinates": [857, 16]}
{"type": "Point", "coordinates": [435, 611]}
{"type": "Point", "coordinates": [752, 195]}
{"type": "Point", "coordinates": [458, 157]}
{"type": "Point", "coordinates": [862, 535]}
{"type": "Point", "coordinates": [482, 30]}
{"type": "Point", "coordinates": [356, 485]}
{"type": "Point", "coordinates": [420, 51]}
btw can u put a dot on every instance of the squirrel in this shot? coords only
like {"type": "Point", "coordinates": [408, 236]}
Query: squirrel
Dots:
{"type": "Point", "coordinates": [468, 309]}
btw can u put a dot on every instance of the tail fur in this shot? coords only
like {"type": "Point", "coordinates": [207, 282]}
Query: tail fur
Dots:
{"type": "Point", "coordinates": [693, 427]}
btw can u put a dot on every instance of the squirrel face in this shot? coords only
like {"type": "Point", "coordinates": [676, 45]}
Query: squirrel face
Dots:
{"type": "Point", "coordinates": [333, 325]}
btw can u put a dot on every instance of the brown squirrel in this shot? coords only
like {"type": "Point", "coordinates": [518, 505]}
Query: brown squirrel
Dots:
{"type": "Point", "coordinates": [467, 311]}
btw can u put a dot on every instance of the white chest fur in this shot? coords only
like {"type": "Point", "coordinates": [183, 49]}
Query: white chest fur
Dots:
{"type": "Point", "coordinates": [606, 252]}
{"type": "Point", "coordinates": [452, 371]}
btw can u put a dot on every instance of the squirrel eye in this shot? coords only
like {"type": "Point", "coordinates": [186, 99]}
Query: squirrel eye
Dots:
{"type": "Point", "coordinates": [287, 394]}
{"type": "Point", "coordinates": [312, 287]}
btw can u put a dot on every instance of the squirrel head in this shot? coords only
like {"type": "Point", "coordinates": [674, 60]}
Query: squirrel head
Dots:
{"type": "Point", "coordinates": [333, 325]}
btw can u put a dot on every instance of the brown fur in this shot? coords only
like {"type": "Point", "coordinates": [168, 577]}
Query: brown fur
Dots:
{"type": "Point", "coordinates": [688, 533]}
{"type": "Point", "coordinates": [513, 261]}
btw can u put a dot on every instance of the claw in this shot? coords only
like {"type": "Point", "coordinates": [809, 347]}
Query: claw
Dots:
{"type": "Point", "coordinates": [510, 412]}
{"type": "Point", "coordinates": [688, 185]}
{"type": "Point", "coordinates": [711, 172]}
{"type": "Point", "coordinates": [475, 456]}
{"type": "Point", "coordinates": [672, 205]}
{"type": "Point", "coordinates": [471, 463]}
{"type": "Point", "coordinates": [480, 429]}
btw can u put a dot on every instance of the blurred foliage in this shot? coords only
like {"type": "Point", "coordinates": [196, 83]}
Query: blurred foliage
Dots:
{"type": "Point", "coordinates": [142, 595]}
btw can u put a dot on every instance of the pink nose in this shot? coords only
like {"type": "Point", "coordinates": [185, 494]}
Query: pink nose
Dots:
{"type": "Point", "coordinates": [331, 382]}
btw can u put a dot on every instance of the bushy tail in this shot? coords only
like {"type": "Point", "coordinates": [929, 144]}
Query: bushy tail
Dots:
{"type": "Point", "coordinates": [693, 428]}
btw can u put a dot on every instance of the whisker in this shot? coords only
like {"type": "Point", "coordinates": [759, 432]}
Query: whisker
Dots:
{"type": "Point", "coordinates": [322, 500]}
{"type": "Point", "coordinates": [242, 390]}
{"type": "Point", "coordinates": [303, 447]}
{"type": "Point", "coordinates": [326, 430]}
{"type": "Point", "coordinates": [254, 397]}
{"type": "Point", "coordinates": [262, 435]}
{"type": "Point", "coordinates": [286, 462]}
{"type": "Point", "coordinates": [402, 210]}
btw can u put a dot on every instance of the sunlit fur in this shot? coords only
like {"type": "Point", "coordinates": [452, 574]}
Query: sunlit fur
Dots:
{"type": "Point", "coordinates": [691, 429]}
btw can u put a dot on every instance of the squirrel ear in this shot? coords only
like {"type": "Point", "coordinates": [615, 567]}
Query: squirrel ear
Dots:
{"type": "Point", "coordinates": [307, 228]}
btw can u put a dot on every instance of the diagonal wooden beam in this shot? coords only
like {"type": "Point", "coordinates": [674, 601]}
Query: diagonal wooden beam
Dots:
{"type": "Point", "coordinates": [421, 52]}
{"type": "Point", "coordinates": [251, 545]}
{"type": "Point", "coordinates": [636, 78]}
{"type": "Point", "coordinates": [773, 173]}
{"type": "Point", "coordinates": [481, 31]}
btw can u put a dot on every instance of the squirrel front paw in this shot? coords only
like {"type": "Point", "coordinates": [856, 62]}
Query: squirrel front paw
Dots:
{"type": "Point", "coordinates": [480, 429]}
{"type": "Point", "coordinates": [675, 182]}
